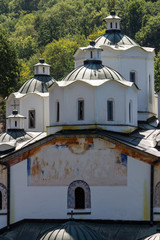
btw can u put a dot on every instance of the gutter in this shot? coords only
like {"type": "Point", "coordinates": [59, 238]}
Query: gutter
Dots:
{"type": "Point", "coordinates": [8, 192]}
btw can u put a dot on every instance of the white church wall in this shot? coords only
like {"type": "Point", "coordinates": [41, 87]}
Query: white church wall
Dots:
{"type": "Point", "coordinates": [33, 101]}
{"type": "Point", "coordinates": [131, 202]}
{"type": "Point", "coordinates": [95, 103]}
{"type": "Point", "coordinates": [135, 60]}
{"type": "Point", "coordinates": [41, 182]}
{"type": "Point", "coordinates": [3, 221]}
{"type": "Point", "coordinates": [104, 93]}
{"type": "Point", "coordinates": [56, 95]}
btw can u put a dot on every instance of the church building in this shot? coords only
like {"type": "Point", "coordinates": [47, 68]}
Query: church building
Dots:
{"type": "Point", "coordinates": [85, 147]}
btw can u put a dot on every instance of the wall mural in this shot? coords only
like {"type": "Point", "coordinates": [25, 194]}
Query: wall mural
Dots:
{"type": "Point", "coordinates": [94, 161]}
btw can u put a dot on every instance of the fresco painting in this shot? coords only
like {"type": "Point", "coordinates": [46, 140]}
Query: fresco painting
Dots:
{"type": "Point", "coordinates": [97, 163]}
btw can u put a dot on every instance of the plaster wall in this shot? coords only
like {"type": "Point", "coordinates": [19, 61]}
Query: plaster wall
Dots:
{"type": "Point", "coordinates": [127, 60]}
{"type": "Point", "coordinates": [95, 103]}
{"type": "Point", "coordinates": [3, 221]}
{"type": "Point", "coordinates": [35, 102]}
{"type": "Point", "coordinates": [127, 201]}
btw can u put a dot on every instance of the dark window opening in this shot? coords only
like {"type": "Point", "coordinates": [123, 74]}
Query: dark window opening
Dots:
{"type": "Point", "coordinates": [91, 54]}
{"type": "Point", "coordinates": [111, 25]}
{"type": "Point", "coordinates": [31, 114]}
{"type": "Point", "coordinates": [15, 123]}
{"type": "Point", "coordinates": [116, 25]}
{"type": "Point", "coordinates": [58, 113]}
{"type": "Point", "coordinates": [110, 110]}
{"type": "Point", "coordinates": [132, 77]}
{"type": "Point", "coordinates": [80, 109]}
{"type": "Point", "coordinates": [79, 198]}
{"type": "Point", "coordinates": [130, 112]}
{"type": "Point", "coordinates": [0, 200]}
{"type": "Point", "coordinates": [150, 90]}
{"type": "Point", "coordinates": [43, 69]}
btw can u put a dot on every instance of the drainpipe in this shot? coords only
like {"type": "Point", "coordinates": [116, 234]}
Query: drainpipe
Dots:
{"type": "Point", "coordinates": [152, 189]}
{"type": "Point", "coordinates": [151, 193]}
{"type": "Point", "coordinates": [8, 192]}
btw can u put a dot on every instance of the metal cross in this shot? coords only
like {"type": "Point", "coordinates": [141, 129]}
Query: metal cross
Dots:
{"type": "Point", "coordinates": [15, 105]}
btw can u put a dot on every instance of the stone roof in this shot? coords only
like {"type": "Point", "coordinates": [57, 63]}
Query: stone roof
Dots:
{"type": "Point", "coordinates": [32, 230]}
{"type": "Point", "coordinates": [93, 70]}
{"type": "Point", "coordinates": [39, 83]}
{"type": "Point", "coordinates": [13, 140]}
{"type": "Point", "coordinates": [114, 38]}
{"type": "Point", "coordinates": [71, 231]}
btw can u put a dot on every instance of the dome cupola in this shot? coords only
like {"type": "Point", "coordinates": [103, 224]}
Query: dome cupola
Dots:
{"type": "Point", "coordinates": [92, 53]}
{"type": "Point", "coordinates": [15, 121]}
{"type": "Point", "coordinates": [41, 80]}
{"type": "Point", "coordinates": [71, 231]}
{"type": "Point", "coordinates": [41, 68]}
{"type": "Point", "coordinates": [113, 22]}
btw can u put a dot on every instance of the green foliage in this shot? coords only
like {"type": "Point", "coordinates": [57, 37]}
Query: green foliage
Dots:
{"type": "Point", "coordinates": [157, 72]}
{"type": "Point", "coordinates": [149, 35]}
{"type": "Point", "coordinates": [36, 27]}
{"type": "Point", "coordinates": [59, 54]}
{"type": "Point", "coordinates": [9, 68]}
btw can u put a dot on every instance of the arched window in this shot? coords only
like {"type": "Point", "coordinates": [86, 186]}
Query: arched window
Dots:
{"type": "Point", "coordinates": [58, 112]}
{"type": "Point", "coordinates": [80, 109]}
{"type": "Point", "coordinates": [31, 118]}
{"type": "Point", "coordinates": [110, 104]}
{"type": "Point", "coordinates": [150, 89]}
{"type": "Point", "coordinates": [0, 200]}
{"type": "Point", "coordinates": [79, 196]}
{"type": "Point", "coordinates": [130, 111]}
{"type": "Point", "coordinates": [133, 76]}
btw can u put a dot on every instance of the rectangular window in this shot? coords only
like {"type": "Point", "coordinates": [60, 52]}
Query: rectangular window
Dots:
{"type": "Point", "coordinates": [110, 110]}
{"type": "Point", "coordinates": [132, 77]}
{"type": "Point", "coordinates": [58, 113]}
{"type": "Point", "coordinates": [80, 109]}
{"type": "Point", "coordinates": [31, 116]}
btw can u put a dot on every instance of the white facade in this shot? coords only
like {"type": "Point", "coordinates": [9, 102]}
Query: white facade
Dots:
{"type": "Point", "coordinates": [95, 104]}
{"type": "Point", "coordinates": [107, 202]}
{"type": "Point", "coordinates": [127, 58]}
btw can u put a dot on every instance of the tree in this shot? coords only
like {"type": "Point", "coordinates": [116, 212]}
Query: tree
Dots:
{"type": "Point", "coordinates": [157, 72]}
{"type": "Point", "coordinates": [59, 54]}
{"type": "Point", "coordinates": [9, 67]}
{"type": "Point", "coordinates": [149, 35]}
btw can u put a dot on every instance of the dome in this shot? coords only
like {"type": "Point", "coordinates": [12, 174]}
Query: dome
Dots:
{"type": "Point", "coordinates": [41, 80]}
{"type": "Point", "coordinates": [153, 237]}
{"type": "Point", "coordinates": [114, 38]}
{"type": "Point", "coordinates": [113, 34]}
{"type": "Point", "coordinates": [71, 231]}
{"type": "Point", "coordinates": [93, 70]}
{"type": "Point", "coordinates": [37, 84]}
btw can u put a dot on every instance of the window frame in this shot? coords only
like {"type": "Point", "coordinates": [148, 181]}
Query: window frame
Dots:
{"type": "Point", "coordinates": [57, 111]}
{"type": "Point", "coordinates": [132, 76]}
{"type": "Point", "coordinates": [30, 125]}
{"type": "Point", "coordinates": [110, 110]}
{"type": "Point", "coordinates": [80, 109]}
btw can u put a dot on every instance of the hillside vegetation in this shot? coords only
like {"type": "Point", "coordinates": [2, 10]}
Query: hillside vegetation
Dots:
{"type": "Point", "coordinates": [54, 29]}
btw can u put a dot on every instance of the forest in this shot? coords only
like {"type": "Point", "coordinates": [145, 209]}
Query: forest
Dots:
{"type": "Point", "coordinates": [54, 29]}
